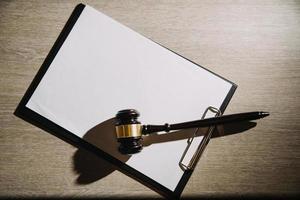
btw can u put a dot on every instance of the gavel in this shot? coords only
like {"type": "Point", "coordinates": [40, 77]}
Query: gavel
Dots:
{"type": "Point", "coordinates": [130, 131]}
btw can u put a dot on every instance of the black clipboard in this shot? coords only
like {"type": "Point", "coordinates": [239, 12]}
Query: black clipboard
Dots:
{"type": "Point", "coordinates": [36, 119]}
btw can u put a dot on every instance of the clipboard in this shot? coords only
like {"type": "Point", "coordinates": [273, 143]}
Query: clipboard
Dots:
{"type": "Point", "coordinates": [34, 112]}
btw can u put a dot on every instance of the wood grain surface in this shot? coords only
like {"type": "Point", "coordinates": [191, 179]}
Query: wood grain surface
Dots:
{"type": "Point", "coordinates": [256, 44]}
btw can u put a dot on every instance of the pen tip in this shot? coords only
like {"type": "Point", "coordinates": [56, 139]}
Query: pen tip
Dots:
{"type": "Point", "coordinates": [264, 114]}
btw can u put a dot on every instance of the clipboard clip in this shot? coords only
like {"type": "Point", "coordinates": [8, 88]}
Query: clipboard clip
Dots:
{"type": "Point", "coordinates": [192, 163]}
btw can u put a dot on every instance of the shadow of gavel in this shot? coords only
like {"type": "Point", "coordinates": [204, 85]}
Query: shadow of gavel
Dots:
{"type": "Point", "coordinates": [92, 168]}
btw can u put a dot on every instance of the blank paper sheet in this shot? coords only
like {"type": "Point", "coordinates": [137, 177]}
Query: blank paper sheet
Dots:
{"type": "Point", "coordinates": [103, 67]}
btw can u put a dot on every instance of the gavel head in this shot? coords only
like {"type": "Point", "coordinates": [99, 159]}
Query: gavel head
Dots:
{"type": "Point", "coordinates": [129, 131]}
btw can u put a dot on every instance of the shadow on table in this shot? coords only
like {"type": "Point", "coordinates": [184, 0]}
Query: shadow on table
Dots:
{"type": "Point", "coordinates": [91, 168]}
{"type": "Point", "coordinates": [200, 197]}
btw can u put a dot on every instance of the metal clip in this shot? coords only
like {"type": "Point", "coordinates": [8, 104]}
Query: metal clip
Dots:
{"type": "Point", "coordinates": [202, 145]}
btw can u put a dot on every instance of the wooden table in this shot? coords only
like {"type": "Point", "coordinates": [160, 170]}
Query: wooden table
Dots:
{"type": "Point", "coordinates": [256, 44]}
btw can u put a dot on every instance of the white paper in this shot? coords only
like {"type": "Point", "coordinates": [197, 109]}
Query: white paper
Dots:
{"type": "Point", "coordinates": [104, 67]}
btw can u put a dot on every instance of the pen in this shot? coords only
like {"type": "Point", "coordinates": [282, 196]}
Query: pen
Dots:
{"type": "Point", "coordinates": [233, 118]}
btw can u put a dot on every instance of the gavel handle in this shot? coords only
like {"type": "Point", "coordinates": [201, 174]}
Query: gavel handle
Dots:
{"type": "Point", "coordinates": [148, 129]}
